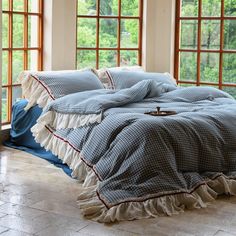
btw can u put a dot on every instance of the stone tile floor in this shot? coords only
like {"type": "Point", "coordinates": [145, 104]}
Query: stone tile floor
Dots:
{"type": "Point", "coordinates": [38, 199]}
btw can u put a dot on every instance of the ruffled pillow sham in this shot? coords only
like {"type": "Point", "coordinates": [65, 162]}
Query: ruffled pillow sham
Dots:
{"type": "Point", "coordinates": [126, 79]}
{"type": "Point", "coordinates": [43, 87]}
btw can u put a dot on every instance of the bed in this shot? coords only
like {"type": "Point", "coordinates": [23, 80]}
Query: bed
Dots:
{"type": "Point", "coordinates": [21, 137]}
{"type": "Point", "coordinates": [134, 165]}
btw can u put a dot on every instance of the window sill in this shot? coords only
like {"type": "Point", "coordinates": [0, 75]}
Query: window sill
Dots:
{"type": "Point", "coordinates": [6, 127]}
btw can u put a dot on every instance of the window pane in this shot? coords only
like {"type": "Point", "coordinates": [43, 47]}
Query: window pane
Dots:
{"type": "Point", "coordinates": [210, 34]}
{"type": "Point", "coordinates": [33, 31]}
{"type": "Point", "coordinates": [33, 60]}
{"type": "Point", "coordinates": [18, 5]}
{"type": "Point", "coordinates": [87, 7]}
{"type": "Point", "coordinates": [230, 8]}
{"type": "Point", "coordinates": [186, 85]}
{"type": "Point", "coordinates": [86, 34]}
{"type": "Point", "coordinates": [211, 7]}
{"type": "Point", "coordinates": [86, 58]}
{"type": "Point", "coordinates": [17, 64]}
{"type": "Point", "coordinates": [5, 27]}
{"type": "Point", "coordinates": [33, 6]}
{"type": "Point", "coordinates": [107, 58]}
{"type": "Point", "coordinates": [230, 34]}
{"type": "Point", "coordinates": [4, 67]}
{"type": "Point", "coordinates": [18, 31]}
{"type": "Point", "coordinates": [129, 33]}
{"type": "Point", "coordinates": [128, 58]}
{"type": "Point", "coordinates": [5, 5]}
{"type": "Point", "coordinates": [188, 34]}
{"type": "Point", "coordinates": [210, 67]}
{"type": "Point", "coordinates": [108, 33]}
{"type": "Point", "coordinates": [129, 7]}
{"type": "Point", "coordinates": [229, 68]}
{"type": "Point", "coordinates": [230, 90]}
{"type": "Point", "coordinates": [4, 105]}
{"type": "Point", "coordinates": [109, 8]}
{"type": "Point", "coordinates": [188, 66]}
{"type": "Point", "coordinates": [16, 94]}
{"type": "Point", "coordinates": [189, 8]}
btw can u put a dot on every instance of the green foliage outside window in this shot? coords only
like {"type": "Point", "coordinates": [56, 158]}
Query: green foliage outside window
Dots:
{"type": "Point", "coordinates": [210, 40]}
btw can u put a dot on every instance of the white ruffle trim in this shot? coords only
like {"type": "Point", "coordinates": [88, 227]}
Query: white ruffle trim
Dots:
{"type": "Point", "coordinates": [33, 91]}
{"type": "Point", "coordinates": [68, 121]}
{"type": "Point", "coordinates": [65, 152]}
{"type": "Point", "coordinates": [93, 208]}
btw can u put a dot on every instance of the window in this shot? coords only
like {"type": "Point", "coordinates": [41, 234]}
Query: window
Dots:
{"type": "Point", "coordinates": [21, 47]}
{"type": "Point", "coordinates": [206, 43]}
{"type": "Point", "coordinates": [109, 33]}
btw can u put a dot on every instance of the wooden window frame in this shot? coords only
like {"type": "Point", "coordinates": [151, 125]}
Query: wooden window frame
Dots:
{"type": "Point", "coordinates": [221, 51]}
{"type": "Point", "coordinates": [118, 49]}
{"type": "Point", "coordinates": [10, 49]}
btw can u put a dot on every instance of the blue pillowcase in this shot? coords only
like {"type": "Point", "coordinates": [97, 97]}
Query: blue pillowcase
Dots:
{"type": "Point", "coordinates": [126, 79]}
{"type": "Point", "coordinates": [64, 83]}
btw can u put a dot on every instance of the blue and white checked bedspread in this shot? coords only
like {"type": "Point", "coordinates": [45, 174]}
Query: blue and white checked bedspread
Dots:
{"type": "Point", "coordinates": [137, 156]}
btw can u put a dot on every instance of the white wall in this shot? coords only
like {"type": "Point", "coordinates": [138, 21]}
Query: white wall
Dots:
{"type": "Point", "coordinates": [158, 35]}
{"type": "Point", "coordinates": [59, 34]}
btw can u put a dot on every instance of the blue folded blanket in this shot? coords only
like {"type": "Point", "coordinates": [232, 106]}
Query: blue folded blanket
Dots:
{"type": "Point", "coordinates": [21, 137]}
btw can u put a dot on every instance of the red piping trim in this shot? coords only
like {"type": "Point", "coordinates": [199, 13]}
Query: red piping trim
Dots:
{"type": "Point", "coordinates": [77, 150]}
{"type": "Point", "coordinates": [152, 197]}
{"type": "Point", "coordinates": [47, 89]}
{"type": "Point", "coordinates": [110, 79]}
{"type": "Point", "coordinates": [108, 206]}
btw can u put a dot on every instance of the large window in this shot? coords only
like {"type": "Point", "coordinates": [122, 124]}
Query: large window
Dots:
{"type": "Point", "coordinates": [109, 33]}
{"type": "Point", "coordinates": [22, 47]}
{"type": "Point", "coordinates": [206, 43]}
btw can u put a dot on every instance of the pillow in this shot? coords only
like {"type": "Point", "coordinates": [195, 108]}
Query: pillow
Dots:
{"type": "Point", "coordinates": [105, 79]}
{"type": "Point", "coordinates": [43, 87]}
{"type": "Point", "coordinates": [126, 79]}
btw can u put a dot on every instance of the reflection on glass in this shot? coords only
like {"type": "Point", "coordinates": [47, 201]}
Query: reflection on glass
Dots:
{"type": "Point", "coordinates": [188, 66]}
{"type": "Point", "coordinates": [17, 65]}
{"type": "Point", "coordinates": [4, 67]}
{"type": "Point", "coordinates": [211, 7]}
{"type": "Point", "coordinates": [129, 7]}
{"type": "Point", "coordinates": [18, 5]}
{"type": "Point", "coordinates": [230, 7]}
{"type": "Point", "coordinates": [129, 33]}
{"type": "Point", "coordinates": [5, 27]}
{"type": "Point", "coordinates": [18, 31]}
{"type": "Point", "coordinates": [87, 7]}
{"type": "Point", "coordinates": [33, 60]}
{"type": "Point", "coordinates": [188, 34]}
{"type": "Point", "coordinates": [86, 58]}
{"type": "Point", "coordinates": [109, 8]}
{"type": "Point", "coordinates": [230, 90]}
{"type": "Point", "coordinates": [107, 58]}
{"type": "Point", "coordinates": [86, 33]}
{"type": "Point", "coordinates": [210, 34]}
{"type": "Point", "coordinates": [33, 6]}
{"type": "Point", "coordinates": [5, 5]}
{"type": "Point", "coordinates": [210, 67]}
{"type": "Point", "coordinates": [229, 68]}
{"type": "Point", "coordinates": [128, 58]}
{"type": "Point", "coordinates": [230, 34]}
{"type": "Point", "coordinates": [4, 105]}
{"type": "Point", "coordinates": [33, 31]}
{"type": "Point", "coordinates": [108, 33]}
{"type": "Point", "coordinates": [16, 94]}
{"type": "Point", "coordinates": [189, 8]}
